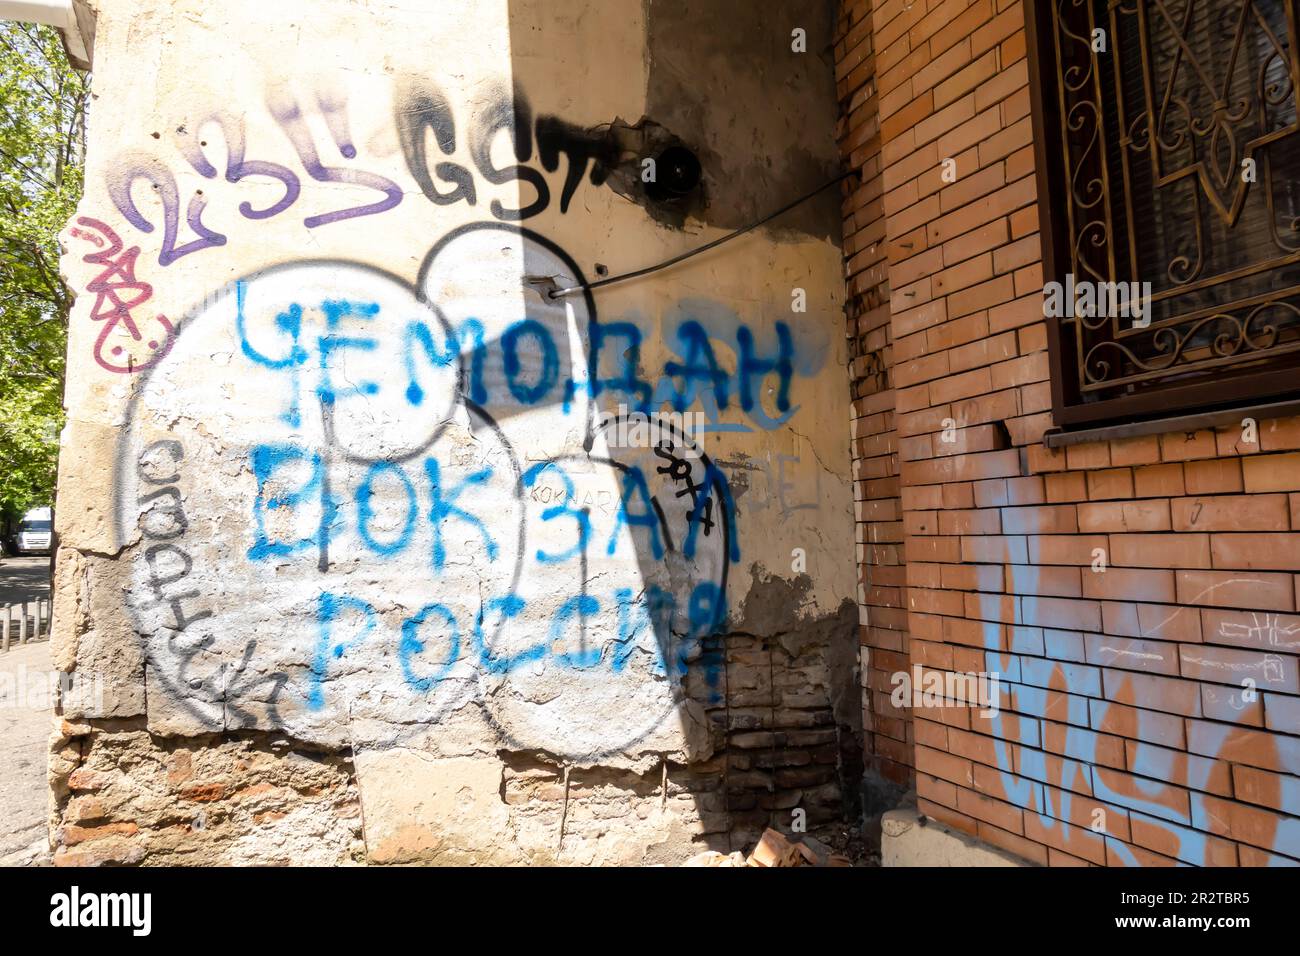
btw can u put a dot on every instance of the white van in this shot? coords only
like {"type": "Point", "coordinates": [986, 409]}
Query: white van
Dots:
{"type": "Point", "coordinates": [35, 532]}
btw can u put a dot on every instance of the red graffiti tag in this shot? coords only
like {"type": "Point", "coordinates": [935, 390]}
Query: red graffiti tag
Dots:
{"type": "Point", "coordinates": [118, 292]}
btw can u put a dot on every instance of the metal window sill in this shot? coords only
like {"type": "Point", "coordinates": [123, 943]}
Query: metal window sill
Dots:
{"type": "Point", "coordinates": [1059, 438]}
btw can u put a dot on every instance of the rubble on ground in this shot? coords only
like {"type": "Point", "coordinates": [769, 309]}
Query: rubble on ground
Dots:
{"type": "Point", "coordinates": [775, 849]}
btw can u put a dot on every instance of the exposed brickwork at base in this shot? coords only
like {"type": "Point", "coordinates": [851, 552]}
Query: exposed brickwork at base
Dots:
{"type": "Point", "coordinates": [781, 743]}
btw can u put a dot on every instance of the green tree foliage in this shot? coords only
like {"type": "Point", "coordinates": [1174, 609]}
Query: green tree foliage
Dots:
{"type": "Point", "coordinates": [42, 112]}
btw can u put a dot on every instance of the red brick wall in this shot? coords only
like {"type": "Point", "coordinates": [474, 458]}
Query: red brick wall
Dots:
{"type": "Point", "coordinates": [1123, 735]}
{"type": "Point", "coordinates": [888, 734]}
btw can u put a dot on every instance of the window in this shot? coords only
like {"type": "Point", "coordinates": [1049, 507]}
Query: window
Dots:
{"type": "Point", "coordinates": [1169, 171]}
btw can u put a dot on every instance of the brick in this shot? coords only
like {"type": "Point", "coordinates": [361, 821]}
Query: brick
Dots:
{"type": "Point", "coordinates": [1250, 856]}
{"type": "Point", "coordinates": [960, 27]}
{"type": "Point", "coordinates": [1226, 665]}
{"type": "Point", "coordinates": [1160, 550]}
{"type": "Point", "coordinates": [1110, 483]}
{"type": "Point", "coordinates": [1262, 551]}
{"type": "Point", "coordinates": [1050, 768]}
{"type": "Point", "coordinates": [1272, 472]}
{"type": "Point", "coordinates": [1078, 678]}
{"type": "Point", "coordinates": [961, 276]}
{"type": "Point", "coordinates": [965, 385]}
{"type": "Point", "coordinates": [1067, 486]}
{"type": "Point", "coordinates": [985, 210]}
{"type": "Point", "coordinates": [1221, 476]}
{"type": "Point", "coordinates": [1145, 515]}
{"type": "Point", "coordinates": [974, 747]}
{"type": "Point", "coordinates": [984, 239]}
{"type": "Point", "coordinates": [1230, 704]}
{"type": "Point", "coordinates": [1017, 314]}
{"type": "Point", "coordinates": [1088, 456]}
{"type": "Point", "coordinates": [1153, 692]}
{"type": "Point", "coordinates": [973, 467]}
{"type": "Point", "coordinates": [1022, 371]}
{"type": "Point", "coordinates": [1280, 632]}
{"type": "Point", "coordinates": [1034, 580]}
{"type": "Point", "coordinates": [1181, 446]}
{"type": "Point", "coordinates": [1259, 512]}
{"type": "Point", "coordinates": [909, 116]}
{"type": "Point", "coordinates": [1152, 620]}
{"type": "Point", "coordinates": [1179, 768]}
{"type": "Point", "coordinates": [947, 816]}
{"type": "Point", "coordinates": [1282, 713]}
{"type": "Point", "coordinates": [1029, 279]}
{"type": "Point", "coordinates": [1244, 745]}
{"type": "Point", "coordinates": [1023, 221]}
{"type": "Point", "coordinates": [1138, 724]}
{"type": "Point", "coordinates": [1073, 840]}
{"type": "Point", "coordinates": [950, 63]}
{"type": "Point", "coordinates": [944, 765]}
{"type": "Point", "coordinates": [936, 790]}
{"type": "Point", "coordinates": [1014, 844]}
{"type": "Point", "coordinates": [1131, 584]}
{"type": "Point", "coordinates": [1139, 450]}
{"type": "Point", "coordinates": [1254, 591]}
{"type": "Point", "coordinates": [940, 121]}
{"type": "Point", "coordinates": [1158, 481]}
{"type": "Point", "coordinates": [1280, 434]}
{"type": "Point", "coordinates": [1056, 858]}
{"type": "Point", "coordinates": [1134, 793]}
{"type": "Point", "coordinates": [1063, 613]}
{"type": "Point", "coordinates": [1025, 491]}
{"type": "Point", "coordinates": [1033, 339]}
{"type": "Point", "coordinates": [1126, 854]}
{"type": "Point", "coordinates": [1040, 519]}
{"type": "Point", "coordinates": [982, 296]}
{"type": "Point", "coordinates": [957, 332]}
{"type": "Point", "coordinates": [1183, 843]}
{"type": "Point", "coordinates": [1008, 81]}
{"type": "Point", "coordinates": [1065, 549]}
{"type": "Point", "coordinates": [1247, 824]}
{"type": "Point", "coordinates": [1266, 789]}
{"type": "Point", "coordinates": [1156, 657]}
{"type": "Point", "coordinates": [971, 135]}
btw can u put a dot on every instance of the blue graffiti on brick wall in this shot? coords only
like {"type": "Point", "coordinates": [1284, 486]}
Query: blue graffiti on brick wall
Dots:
{"type": "Point", "coordinates": [1055, 738]}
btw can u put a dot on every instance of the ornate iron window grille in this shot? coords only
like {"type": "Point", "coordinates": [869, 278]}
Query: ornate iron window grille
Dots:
{"type": "Point", "coordinates": [1169, 154]}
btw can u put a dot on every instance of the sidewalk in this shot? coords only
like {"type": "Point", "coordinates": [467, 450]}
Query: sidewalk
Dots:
{"type": "Point", "coordinates": [24, 743]}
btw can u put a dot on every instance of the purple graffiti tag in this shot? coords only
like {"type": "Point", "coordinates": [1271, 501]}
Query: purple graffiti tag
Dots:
{"type": "Point", "coordinates": [238, 168]}
{"type": "Point", "coordinates": [125, 175]}
{"type": "Point", "coordinates": [290, 117]}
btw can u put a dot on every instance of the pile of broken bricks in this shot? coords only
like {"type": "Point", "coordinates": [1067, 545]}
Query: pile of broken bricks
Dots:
{"type": "Point", "coordinates": [775, 849]}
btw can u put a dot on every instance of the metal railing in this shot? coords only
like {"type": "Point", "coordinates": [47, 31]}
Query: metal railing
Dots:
{"type": "Point", "coordinates": [25, 622]}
